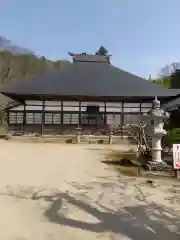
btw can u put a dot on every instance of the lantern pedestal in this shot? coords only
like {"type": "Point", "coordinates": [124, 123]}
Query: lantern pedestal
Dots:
{"type": "Point", "coordinates": [156, 119]}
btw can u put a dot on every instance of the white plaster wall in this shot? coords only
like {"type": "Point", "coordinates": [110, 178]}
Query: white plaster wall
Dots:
{"type": "Point", "coordinates": [52, 103]}
{"type": "Point", "coordinates": [28, 107]}
{"type": "Point", "coordinates": [52, 108]}
{"type": "Point", "coordinates": [29, 102]}
{"type": "Point", "coordinates": [74, 106]}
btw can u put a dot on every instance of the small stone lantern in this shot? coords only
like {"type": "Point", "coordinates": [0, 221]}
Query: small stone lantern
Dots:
{"type": "Point", "coordinates": [110, 138]}
{"type": "Point", "coordinates": [156, 118]}
{"type": "Point", "coordinates": [78, 134]}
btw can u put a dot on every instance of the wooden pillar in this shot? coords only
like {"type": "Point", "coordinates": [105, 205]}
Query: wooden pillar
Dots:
{"type": "Point", "coordinates": [105, 113]}
{"type": "Point", "coordinates": [6, 118]}
{"type": "Point", "coordinates": [140, 108]}
{"type": "Point", "coordinates": [106, 128]}
{"type": "Point", "coordinates": [43, 118]}
{"type": "Point", "coordinates": [122, 120]}
{"type": "Point", "coordinates": [24, 117]}
{"type": "Point", "coordinates": [62, 112]}
{"type": "Point", "coordinates": [140, 136]}
{"type": "Point", "coordinates": [80, 113]}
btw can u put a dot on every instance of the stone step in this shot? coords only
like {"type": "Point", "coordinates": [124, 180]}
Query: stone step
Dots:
{"type": "Point", "coordinates": [45, 139]}
{"type": "Point", "coordinates": [71, 139]}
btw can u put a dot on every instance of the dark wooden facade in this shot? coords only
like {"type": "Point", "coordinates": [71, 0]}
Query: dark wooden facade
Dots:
{"type": "Point", "coordinates": [58, 117]}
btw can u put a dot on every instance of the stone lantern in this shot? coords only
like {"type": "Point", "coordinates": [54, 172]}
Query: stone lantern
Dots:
{"type": "Point", "coordinates": [78, 134]}
{"type": "Point", "coordinates": [155, 119]}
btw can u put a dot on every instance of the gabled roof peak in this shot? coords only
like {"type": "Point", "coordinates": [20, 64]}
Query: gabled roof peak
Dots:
{"type": "Point", "coordinates": [84, 57]}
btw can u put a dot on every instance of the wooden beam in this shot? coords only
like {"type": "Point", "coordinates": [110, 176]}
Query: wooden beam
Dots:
{"type": "Point", "coordinates": [80, 113]}
{"type": "Point", "coordinates": [122, 120]}
{"type": "Point", "coordinates": [105, 113]}
{"type": "Point", "coordinates": [24, 117]}
{"type": "Point", "coordinates": [62, 112]}
{"type": "Point", "coordinates": [140, 108]}
{"type": "Point", "coordinates": [43, 119]}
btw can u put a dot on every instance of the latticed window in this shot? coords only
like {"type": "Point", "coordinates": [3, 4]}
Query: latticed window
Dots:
{"type": "Point", "coordinates": [75, 119]}
{"type": "Point", "coordinates": [52, 118]}
{"type": "Point", "coordinates": [37, 118]}
{"type": "Point", "coordinates": [113, 119]}
{"type": "Point", "coordinates": [48, 118]}
{"type": "Point", "coordinates": [70, 118]}
{"type": "Point", "coordinates": [19, 117]}
{"type": "Point", "coordinates": [16, 117]}
{"type": "Point", "coordinates": [29, 118]}
{"type": "Point", "coordinates": [33, 118]}
{"type": "Point", "coordinates": [12, 118]}
{"type": "Point", "coordinates": [56, 118]}
{"type": "Point", "coordinates": [66, 118]}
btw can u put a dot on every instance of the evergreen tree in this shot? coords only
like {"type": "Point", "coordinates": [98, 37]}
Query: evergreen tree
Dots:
{"type": "Point", "coordinates": [102, 51]}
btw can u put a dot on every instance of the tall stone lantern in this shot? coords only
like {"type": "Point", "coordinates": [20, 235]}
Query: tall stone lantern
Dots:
{"type": "Point", "coordinates": [156, 118]}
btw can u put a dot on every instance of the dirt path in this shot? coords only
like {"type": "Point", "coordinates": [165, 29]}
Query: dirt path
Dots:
{"type": "Point", "coordinates": [51, 191]}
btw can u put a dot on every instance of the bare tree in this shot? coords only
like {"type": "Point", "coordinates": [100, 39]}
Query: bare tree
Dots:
{"type": "Point", "coordinates": [169, 69]}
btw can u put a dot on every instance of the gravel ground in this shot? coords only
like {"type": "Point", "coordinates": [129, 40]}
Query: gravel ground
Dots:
{"type": "Point", "coordinates": [51, 191]}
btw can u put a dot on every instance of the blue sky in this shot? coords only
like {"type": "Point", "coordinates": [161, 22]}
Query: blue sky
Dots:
{"type": "Point", "coordinates": [142, 35]}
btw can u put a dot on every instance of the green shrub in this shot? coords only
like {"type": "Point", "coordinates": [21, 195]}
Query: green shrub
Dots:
{"type": "Point", "coordinates": [69, 140]}
{"type": "Point", "coordinates": [2, 136]}
{"type": "Point", "coordinates": [119, 155]}
{"type": "Point", "coordinates": [174, 134]}
{"type": "Point", "coordinates": [166, 141]}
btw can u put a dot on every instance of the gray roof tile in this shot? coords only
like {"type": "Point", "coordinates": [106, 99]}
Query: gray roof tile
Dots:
{"type": "Point", "coordinates": [89, 79]}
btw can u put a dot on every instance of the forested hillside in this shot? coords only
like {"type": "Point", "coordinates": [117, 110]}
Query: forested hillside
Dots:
{"type": "Point", "coordinates": [15, 67]}
{"type": "Point", "coordinates": [163, 81]}
{"type": "Point", "coordinates": [19, 66]}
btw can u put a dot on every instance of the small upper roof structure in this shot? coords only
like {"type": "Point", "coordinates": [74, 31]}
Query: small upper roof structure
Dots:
{"type": "Point", "coordinates": [89, 77]}
{"type": "Point", "coordinates": [83, 57]}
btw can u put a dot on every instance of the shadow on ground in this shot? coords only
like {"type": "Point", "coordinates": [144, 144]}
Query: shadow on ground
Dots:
{"type": "Point", "coordinates": [144, 221]}
{"type": "Point", "coordinates": [138, 222]}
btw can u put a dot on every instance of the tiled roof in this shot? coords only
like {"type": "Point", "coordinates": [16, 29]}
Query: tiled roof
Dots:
{"type": "Point", "coordinates": [88, 78]}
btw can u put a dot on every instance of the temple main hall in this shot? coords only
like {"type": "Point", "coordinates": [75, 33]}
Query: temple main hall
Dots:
{"type": "Point", "coordinates": [89, 93]}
